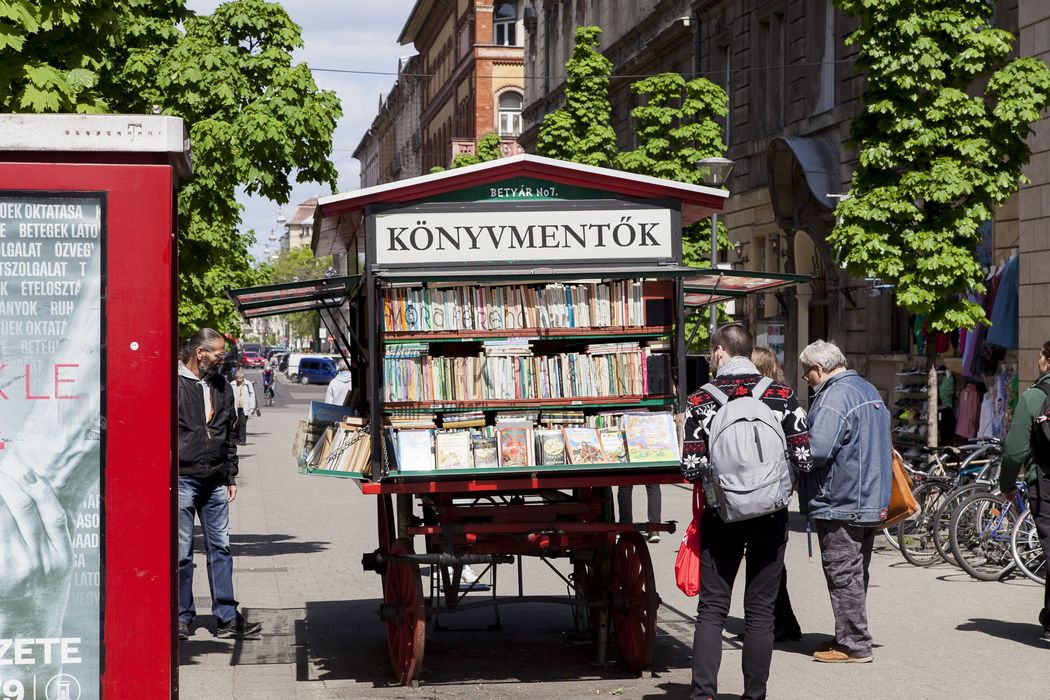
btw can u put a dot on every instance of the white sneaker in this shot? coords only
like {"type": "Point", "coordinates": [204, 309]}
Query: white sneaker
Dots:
{"type": "Point", "coordinates": [468, 575]}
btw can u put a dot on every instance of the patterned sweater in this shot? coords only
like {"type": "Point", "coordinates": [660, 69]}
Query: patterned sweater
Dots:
{"type": "Point", "coordinates": [781, 400]}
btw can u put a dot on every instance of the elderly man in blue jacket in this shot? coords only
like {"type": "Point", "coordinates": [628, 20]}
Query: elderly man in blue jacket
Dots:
{"type": "Point", "coordinates": [848, 491]}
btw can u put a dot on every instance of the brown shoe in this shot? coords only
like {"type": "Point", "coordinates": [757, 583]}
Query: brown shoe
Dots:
{"type": "Point", "coordinates": [838, 656]}
{"type": "Point", "coordinates": [829, 645]}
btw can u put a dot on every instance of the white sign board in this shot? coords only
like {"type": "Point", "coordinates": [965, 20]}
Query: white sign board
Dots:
{"type": "Point", "coordinates": [524, 236]}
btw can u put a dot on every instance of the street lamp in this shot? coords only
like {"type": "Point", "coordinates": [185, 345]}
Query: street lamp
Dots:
{"type": "Point", "coordinates": [714, 172]}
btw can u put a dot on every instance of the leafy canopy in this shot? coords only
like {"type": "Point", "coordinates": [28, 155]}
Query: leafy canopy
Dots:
{"type": "Point", "coordinates": [254, 116]}
{"type": "Point", "coordinates": [936, 152]}
{"type": "Point", "coordinates": [581, 131]}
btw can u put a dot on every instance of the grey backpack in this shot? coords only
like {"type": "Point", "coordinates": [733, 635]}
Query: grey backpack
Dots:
{"type": "Point", "coordinates": [748, 473]}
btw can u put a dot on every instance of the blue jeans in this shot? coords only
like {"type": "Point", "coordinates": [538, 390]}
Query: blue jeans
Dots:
{"type": "Point", "coordinates": [208, 499]}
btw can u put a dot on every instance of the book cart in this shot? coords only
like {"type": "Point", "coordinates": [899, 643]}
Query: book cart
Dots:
{"type": "Point", "coordinates": [521, 287]}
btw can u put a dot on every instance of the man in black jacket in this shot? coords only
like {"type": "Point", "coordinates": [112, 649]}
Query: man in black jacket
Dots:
{"type": "Point", "coordinates": [207, 480]}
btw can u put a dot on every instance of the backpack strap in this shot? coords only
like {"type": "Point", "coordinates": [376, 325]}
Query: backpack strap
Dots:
{"type": "Point", "coordinates": [760, 388]}
{"type": "Point", "coordinates": [717, 394]}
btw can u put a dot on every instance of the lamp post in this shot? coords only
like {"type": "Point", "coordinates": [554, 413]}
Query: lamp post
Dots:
{"type": "Point", "coordinates": [714, 172]}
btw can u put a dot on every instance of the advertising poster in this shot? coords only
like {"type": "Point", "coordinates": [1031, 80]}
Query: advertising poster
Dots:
{"type": "Point", "coordinates": [51, 444]}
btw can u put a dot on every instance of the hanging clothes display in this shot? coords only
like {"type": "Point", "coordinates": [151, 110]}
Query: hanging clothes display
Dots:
{"type": "Point", "coordinates": [1004, 313]}
{"type": "Point", "coordinates": [966, 412]}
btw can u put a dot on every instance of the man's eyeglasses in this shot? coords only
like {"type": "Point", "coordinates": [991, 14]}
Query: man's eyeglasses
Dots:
{"type": "Point", "coordinates": [217, 354]}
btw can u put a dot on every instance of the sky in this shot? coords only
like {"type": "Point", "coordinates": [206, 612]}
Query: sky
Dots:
{"type": "Point", "coordinates": [359, 35]}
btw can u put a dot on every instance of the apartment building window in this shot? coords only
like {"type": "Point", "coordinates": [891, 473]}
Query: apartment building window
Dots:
{"type": "Point", "coordinates": [505, 23]}
{"type": "Point", "coordinates": [510, 114]}
{"type": "Point", "coordinates": [767, 97]}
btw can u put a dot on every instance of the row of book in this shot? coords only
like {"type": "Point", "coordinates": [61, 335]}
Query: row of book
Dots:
{"type": "Point", "coordinates": [629, 371]}
{"type": "Point", "coordinates": [643, 437]}
{"type": "Point", "coordinates": [512, 307]}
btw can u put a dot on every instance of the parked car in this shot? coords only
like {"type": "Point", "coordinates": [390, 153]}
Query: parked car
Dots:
{"type": "Point", "coordinates": [250, 358]}
{"type": "Point", "coordinates": [316, 370]}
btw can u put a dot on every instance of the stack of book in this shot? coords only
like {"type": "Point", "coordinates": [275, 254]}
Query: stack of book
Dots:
{"type": "Point", "coordinates": [345, 447]}
{"type": "Point", "coordinates": [438, 308]}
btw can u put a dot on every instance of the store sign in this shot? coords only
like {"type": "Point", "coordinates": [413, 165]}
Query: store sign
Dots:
{"type": "Point", "coordinates": [51, 428]}
{"type": "Point", "coordinates": [526, 235]}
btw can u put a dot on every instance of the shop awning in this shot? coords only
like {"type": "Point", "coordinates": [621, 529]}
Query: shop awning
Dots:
{"type": "Point", "coordinates": [715, 286]}
{"type": "Point", "coordinates": [290, 297]}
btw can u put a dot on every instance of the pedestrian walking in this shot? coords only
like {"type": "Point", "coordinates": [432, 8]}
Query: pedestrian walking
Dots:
{"type": "Point", "coordinates": [848, 492]}
{"type": "Point", "coordinates": [785, 624]}
{"type": "Point", "coordinates": [207, 480]}
{"type": "Point", "coordinates": [1027, 447]}
{"type": "Point", "coordinates": [340, 386]}
{"type": "Point", "coordinates": [244, 399]}
{"type": "Point", "coordinates": [762, 539]}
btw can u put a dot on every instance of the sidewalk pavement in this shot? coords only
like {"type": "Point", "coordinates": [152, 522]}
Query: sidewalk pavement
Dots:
{"type": "Point", "coordinates": [298, 542]}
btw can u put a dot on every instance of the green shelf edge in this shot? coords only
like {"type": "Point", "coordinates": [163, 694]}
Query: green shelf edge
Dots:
{"type": "Point", "coordinates": [547, 469]}
{"type": "Point", "coordinates": [539, 407]}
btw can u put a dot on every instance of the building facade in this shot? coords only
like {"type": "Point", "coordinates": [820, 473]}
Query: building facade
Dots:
{"type": "Point", "coordinates": [391, 149]}
{"type": "Point", "coordinates": [792, 93]}
{"type": "Point", "coordinates": [471, 81]}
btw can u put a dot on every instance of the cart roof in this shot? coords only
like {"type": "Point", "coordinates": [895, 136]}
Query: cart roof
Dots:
{"type": "Point", "coordinates": [338, 219]}
{"type": "Point", "coordinates": [289, 297]}
{"type": "Point", "coordinates": [714, 286]}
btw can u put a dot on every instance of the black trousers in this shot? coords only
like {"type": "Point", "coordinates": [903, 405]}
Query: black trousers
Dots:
{"type": "Point", "coordinates": [242, 426]}
{"type": "Point", "coordinates": [761, 543]}
{"type": "Point", "coordinates": [1039, 499]}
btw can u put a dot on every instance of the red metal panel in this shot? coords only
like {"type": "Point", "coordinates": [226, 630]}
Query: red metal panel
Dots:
{"type": "Point", "coordinates": [139, 580]}
{"type": "Point", "coordinates": [472, 486]}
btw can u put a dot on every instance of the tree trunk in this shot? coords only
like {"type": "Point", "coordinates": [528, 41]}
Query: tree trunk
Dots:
{"type": "Point", "coordinates": [931, 393]}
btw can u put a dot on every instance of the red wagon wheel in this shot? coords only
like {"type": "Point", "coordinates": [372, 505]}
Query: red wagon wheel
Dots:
{"type": "Point", "coordinates": [406, 630]}
{"type": "Point", "coordinates": [634, 602]}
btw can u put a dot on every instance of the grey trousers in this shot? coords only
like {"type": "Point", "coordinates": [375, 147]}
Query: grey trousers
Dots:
{"type": "Point", "coordinates": [845, 552]}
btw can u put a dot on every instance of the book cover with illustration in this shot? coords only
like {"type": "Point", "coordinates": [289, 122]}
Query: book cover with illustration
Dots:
{"type": "Point", "coordinates": [613, 445]}
{"type": "Point", "coordinates": [453, 450]}
{"type": "Point", "coordinates": [583, 445]}
{"type": "Point", "coordinates": [550, 447]}
{"type": "Point", "coordinates": [515, 447]}
{"type": "Point", "coordinates": [415, 450]}
{"type": "Point", "coordinates": [486, 452]}
{"type": "Point", "coordinates": [651, 437]}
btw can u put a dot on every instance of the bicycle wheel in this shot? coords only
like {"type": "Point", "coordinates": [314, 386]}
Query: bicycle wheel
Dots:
{"type": "Point", "coordinates": [1026, 549]}
{"type": "Point", "coordinates": [915, 535]}
{"type": "Point", "coordinates": [980, 536]}
{"type": "Point", "coordinates": [943, 518]}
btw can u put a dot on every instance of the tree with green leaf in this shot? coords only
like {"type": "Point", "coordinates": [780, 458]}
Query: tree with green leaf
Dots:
{"type": "Point", "coordinates": [941, 140]}
{"type": "Point", "coordinates": [676, 127]}
{"type": "Point", "coordinates": [581, 131]}
{"type": "Point", "coordinates": [254, 116]}
{"type": "Point", "coordinates": [486, 149]}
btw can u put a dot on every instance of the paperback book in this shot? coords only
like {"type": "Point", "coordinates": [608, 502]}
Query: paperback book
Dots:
{"type": "Point", "coordinates": [515, 447]}
{"type": "Point", "coordinates": [613, 445]}
{"type": "Point", "coordinates": [651, 437]}
{"type": "Point", "coordinates": [583, 446]}
{"type": "Point", "coordinates": [453, 450]}
{"type": "Point", "coordinates": [415, 450]}
{"type": "Point", "coordinates": [486, 452]}
{"type": "Point", "coordinates": [550, 447]}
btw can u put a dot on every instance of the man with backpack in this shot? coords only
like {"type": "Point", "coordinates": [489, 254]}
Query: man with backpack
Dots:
{"type": "Point", "coordinates": [1027, 445]}
{"type": "Point", "coordinates": [848, 492]}
{"type": "Point", "coordinates": [745, 436]}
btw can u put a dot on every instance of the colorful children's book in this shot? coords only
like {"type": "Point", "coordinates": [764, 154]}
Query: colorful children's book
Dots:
{"type": "Point", "coordinates": [550, 447]}
{"type": "Point", "coordinates": [515, 447]}
{"type": "Point", "coordinates": [453, 450]}
{"type": "Point", "coordinates": [486, 452]}
{"type": "Point", "coordinates": [613, 445]}
{"type": "Point", "coordinates": [415, 450]}
{"type": "Point", "coordinates": [583, 445]}
{"type": "Point", "coordinates": [651, 437]}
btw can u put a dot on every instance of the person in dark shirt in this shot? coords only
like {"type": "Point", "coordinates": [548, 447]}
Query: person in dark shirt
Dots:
{"type": "Point", "coordinates": [207, 480]}
{"type": "Point", "coordinates": [760, 540]}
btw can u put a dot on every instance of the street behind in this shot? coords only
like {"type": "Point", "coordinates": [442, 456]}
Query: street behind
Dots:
{"type": "Point", "coordinates": [298, 541]}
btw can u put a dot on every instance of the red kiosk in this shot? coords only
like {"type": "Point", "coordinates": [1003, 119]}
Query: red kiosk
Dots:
{"type": "Point", "coordinates": [87, 339]}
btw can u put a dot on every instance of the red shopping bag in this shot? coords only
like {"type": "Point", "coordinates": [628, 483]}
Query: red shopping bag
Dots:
{"type": "Point", "coordinates": [687, 564]}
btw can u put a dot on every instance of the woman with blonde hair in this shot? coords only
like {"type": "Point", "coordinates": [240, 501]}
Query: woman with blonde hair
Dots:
{"type": "Point", "coordinates": [785, 624]}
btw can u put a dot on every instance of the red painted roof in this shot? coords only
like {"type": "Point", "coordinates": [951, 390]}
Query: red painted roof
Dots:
{"type": "Point", "coordinates": [337, 219]}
